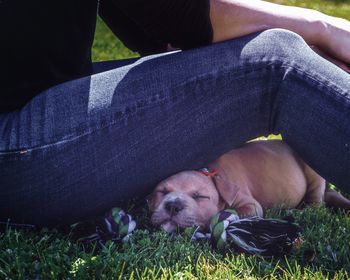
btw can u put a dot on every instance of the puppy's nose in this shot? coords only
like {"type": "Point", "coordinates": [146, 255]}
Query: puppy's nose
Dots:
{"type": "Point", "coordinates": [174, 207]}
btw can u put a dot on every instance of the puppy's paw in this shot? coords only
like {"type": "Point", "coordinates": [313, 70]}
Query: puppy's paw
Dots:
{"type": "Point", "coordinates": [250, 210]}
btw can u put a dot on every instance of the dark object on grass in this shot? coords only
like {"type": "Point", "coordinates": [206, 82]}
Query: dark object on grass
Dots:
{"type": "Point", "coordinates": [116, 226]}
{"type": "Point", "coordinates": [255, 235]}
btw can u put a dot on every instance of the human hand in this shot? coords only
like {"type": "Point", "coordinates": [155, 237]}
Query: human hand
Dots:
{"type": "Point", "coordinates": [335, 40]}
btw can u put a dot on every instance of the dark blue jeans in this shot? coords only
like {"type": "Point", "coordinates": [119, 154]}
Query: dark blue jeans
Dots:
{"type": "Point", "coordinates": [84, 146]}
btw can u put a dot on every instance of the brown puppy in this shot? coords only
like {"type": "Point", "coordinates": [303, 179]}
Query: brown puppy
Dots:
{"type": "Point", "coordinates": [254, 177]}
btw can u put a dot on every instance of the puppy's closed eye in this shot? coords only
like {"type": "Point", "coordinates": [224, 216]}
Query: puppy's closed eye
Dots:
{"type": "Point", "coordinates": [163, 191]}
{"type": "Point", "coordinates": [198, 196]}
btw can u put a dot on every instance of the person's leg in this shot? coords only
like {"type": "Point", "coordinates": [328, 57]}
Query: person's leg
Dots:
{"type": "Point", "coordinates": [84, 146]}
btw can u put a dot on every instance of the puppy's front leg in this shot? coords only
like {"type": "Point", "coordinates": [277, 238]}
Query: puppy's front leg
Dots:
{"type": "Point", "coordinates": [250, 209]}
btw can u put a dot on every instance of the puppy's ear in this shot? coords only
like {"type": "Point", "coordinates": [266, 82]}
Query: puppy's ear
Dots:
{"type": "Point", "coordinates": [227, 191]}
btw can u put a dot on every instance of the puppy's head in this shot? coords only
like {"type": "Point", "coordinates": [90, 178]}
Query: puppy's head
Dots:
{"type": "Point", "coordinates": [186, 199]}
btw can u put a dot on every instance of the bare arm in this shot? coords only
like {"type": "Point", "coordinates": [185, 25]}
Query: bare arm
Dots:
{"type": "Point", "coordinates": [234, 18]}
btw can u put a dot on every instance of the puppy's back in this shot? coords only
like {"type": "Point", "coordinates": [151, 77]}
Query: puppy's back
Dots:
{"type": "Point", "coordinates": [269, 169]}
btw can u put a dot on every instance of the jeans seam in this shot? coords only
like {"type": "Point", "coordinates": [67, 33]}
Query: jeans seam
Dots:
{"type": "Point", "coordinates": [330, 85]}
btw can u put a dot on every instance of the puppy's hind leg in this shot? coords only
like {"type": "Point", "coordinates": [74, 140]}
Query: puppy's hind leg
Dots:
{"type": "Point", "coordinates": [334, 199]}
{"type": "Point", "coordinates": [316, 187]}
{"type": "Point", "coordinates": [317, 193]}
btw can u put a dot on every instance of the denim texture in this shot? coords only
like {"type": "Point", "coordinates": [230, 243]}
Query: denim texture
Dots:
{"type": "Point", "coordinates": [84, 146]}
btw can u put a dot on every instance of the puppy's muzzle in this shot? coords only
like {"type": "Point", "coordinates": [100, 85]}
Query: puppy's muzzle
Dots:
{"type": "Point", "coordinates": [173, 207]}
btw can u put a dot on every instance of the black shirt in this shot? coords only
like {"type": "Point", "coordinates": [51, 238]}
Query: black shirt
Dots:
{"type": "Point", "coordinates": [44, 43]}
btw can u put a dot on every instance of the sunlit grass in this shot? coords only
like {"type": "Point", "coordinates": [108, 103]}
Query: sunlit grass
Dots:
{"type": "Point", "coordinates": [106, 46]}
{"type": "Point", "coordinates": [152, 254]}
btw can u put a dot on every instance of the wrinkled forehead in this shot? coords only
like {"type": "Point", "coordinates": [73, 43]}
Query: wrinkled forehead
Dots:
{"type": "Point", "coordinates": [186, 182]}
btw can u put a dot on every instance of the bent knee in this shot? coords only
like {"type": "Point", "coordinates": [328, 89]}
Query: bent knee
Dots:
{"type": "Point", "coordinates": [279, 36]}
{"type": "Point", "coordinates": [275, 45]}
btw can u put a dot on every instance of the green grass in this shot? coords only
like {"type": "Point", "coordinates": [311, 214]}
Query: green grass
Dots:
{"type": "Point", "coordinates": [107, 47]}
{"type": "Point", "coordinates": [154, 255]}
{"type": "Point", "coordinates": [150, 254]}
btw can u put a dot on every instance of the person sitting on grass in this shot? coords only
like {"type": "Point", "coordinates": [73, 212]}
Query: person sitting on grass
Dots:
{"type": "Point", "coordinates": [77, 138]}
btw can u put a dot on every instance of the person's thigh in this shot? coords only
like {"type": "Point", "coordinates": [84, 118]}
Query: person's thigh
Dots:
{"type": "Point", "coordinates": [84, 146]}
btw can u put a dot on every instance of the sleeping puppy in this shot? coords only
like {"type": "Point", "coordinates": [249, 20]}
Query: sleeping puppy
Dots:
{"type": "Point", "coordinates": [257, 176]}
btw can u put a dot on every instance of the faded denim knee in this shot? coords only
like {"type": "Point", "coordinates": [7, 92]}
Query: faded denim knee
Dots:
{"type": "Point", "coordinates": [276, 46]}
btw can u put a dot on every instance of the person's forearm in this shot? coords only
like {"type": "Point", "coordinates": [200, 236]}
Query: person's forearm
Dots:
{"type": "Point", "coordinates": [235, 18]}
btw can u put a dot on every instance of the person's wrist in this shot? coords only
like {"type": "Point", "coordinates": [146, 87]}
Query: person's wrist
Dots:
{"type": "Point", "coordinates": [311, 26]}
{"type": "Point", "coordinates": [319, 31]}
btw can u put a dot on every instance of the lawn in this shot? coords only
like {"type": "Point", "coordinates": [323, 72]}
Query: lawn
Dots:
{"type": "Point", "coordinates": [149, 254]}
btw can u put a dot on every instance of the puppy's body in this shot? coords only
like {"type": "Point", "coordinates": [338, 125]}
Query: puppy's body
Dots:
{"type": "Point", "coordinates": [266, 174]}
{"type": "Point", "coordinates": [254, 177]}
